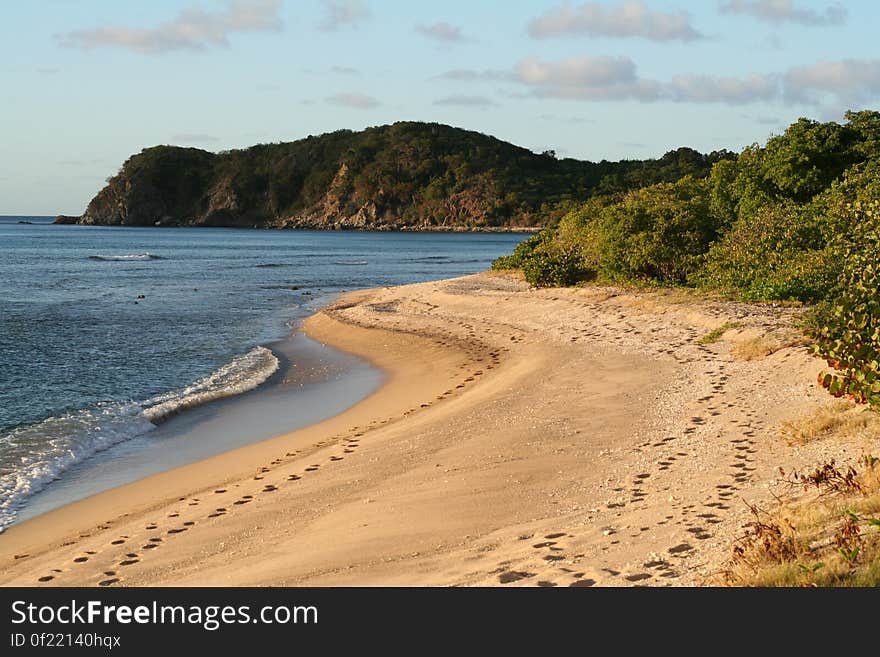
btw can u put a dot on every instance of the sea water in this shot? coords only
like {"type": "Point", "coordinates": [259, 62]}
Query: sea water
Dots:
{"type": "Point", "coordinates": [107, 332]}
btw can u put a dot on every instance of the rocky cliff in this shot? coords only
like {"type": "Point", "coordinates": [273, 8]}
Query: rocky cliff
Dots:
{"type": "Point", "coordinates": [407, 176]}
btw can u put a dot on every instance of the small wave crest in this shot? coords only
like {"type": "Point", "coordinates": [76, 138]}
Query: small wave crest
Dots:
{"type": "Point", "coordinates": [138, 257]}
{"type": "Point", "coordinates": [32, 456]}
{"type": "Point", "coordinates": [352, 263]}
{"type": "Point", "coordinates": [243, 373]}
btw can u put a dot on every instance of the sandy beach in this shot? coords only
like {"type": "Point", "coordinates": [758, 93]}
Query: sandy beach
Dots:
{"type": "Point", "coordinates": [559, 437]}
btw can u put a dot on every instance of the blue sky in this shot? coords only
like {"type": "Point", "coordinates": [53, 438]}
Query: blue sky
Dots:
{"type": "Point", "coordinates": [86, 83]}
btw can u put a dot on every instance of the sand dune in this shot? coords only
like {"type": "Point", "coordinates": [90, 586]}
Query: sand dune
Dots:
{"type": "Point", "coordinates": [572, 437]}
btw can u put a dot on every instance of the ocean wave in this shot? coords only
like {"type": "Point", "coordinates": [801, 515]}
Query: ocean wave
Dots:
{"type": "Point", "coordinates": [352, 263]}
{"type": "Point", "coordinates": [37, 454]}
{"type": "Point", "coordinates": [243, 373]}
{"type": "Point", "coordinates": [139, 257]}
{"type": "Point", "coordinates": [32, 456]}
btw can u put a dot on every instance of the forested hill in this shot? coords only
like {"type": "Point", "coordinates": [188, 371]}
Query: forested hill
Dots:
{"type": "Point", "coordinates": [419, 176]}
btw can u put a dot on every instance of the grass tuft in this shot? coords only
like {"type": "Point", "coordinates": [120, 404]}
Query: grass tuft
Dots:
{"type": "Point", "coordinates": [715, 334]}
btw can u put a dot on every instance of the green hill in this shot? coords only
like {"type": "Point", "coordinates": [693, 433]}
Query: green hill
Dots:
{"type": "Point", "coordinates": [415, 176]}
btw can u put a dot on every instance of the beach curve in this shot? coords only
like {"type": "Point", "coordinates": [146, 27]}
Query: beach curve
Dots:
{"type": "Point", "coordinates": [551, 437]}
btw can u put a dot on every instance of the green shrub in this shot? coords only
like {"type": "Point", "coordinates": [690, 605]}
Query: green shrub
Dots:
{"type": "Point", "coordinates": [781, 252]}
{"type": "Point", "coordinates": [658, 233]}
{"type": "Point", "coordinates": [545, 262]}
{"type": "Point", "coordinates": [849, 335]}
{"type": "Point", "coordinates": [555, 268]}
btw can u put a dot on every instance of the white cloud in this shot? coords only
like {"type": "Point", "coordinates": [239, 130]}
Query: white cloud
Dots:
{"type": "Point", "coordinates": [343, 13]}
{"type": "Point", "coordinates": [354, 100]}
{"type": "Point", "coordinates": [729, 90]}
{"type": "Point", "coordinates": [192, 29]}
{"type": "Point", "coordinates": [470, 75]}
{"type": "Point", "coordinates": [607, 78]}
{"type": "Point", "coordinates": [849, 82]}
{"type": "Point", "coordinates": [577, 72]}
{"type": "Point", "coordinates": [784, 11]}
{"type": "Point", "coordinates": [442, 32]}
{"type": "Point", "coordinates": [632, 18]}
{"type": "Point", "coordinates": [466, 101]}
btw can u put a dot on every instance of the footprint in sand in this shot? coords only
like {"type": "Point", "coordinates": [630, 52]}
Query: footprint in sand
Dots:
{"type": "Point", "coordinates": [108, 582]}
{"type": "Point", "coordinates": [46, 578]}
{"type": "Point", "coordinates": [129, 562]}
{"type": "Point", "coordinates": [312, 468]}
{"type": "Point", "coordinates": [513, 576]}
{"type": "Point", "coordinates": [582, 583]}
{"type": "Point", "coordinates": [118, 541]}
{"type": "Point", "coordinates": [293, 477]}
{"type": "Point", "coordinates": [80, 560]}
{"type": "Point", "coordinates": [680, 548]}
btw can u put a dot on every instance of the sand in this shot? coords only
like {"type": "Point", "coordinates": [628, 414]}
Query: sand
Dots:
{"type": "Point", "coordinates": [572, 437]}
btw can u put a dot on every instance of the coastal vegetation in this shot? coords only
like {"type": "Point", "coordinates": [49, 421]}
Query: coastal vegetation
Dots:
{"type": "Point", "coordinates": [403, 176]}
{"type": "Point", "coordinates": [828, 535]}
{"type": "Point", "coordinates": [797, 219]}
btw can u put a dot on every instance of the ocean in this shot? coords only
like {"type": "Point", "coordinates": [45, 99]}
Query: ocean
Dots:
{"type": "Point", "coordinates": [108, 333]}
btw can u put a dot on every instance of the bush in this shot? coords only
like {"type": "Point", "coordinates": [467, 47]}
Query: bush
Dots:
{"type": "Point", "coordinates": [658, 233]}
{"type": "Point", "coordinates": [546, 262]}
{"type": "Point", "coordinates": [849, 333]}
{"type": "Point", "coordinates": [782, 252]}
{"type": "Point", "coordinates": [548, 269]}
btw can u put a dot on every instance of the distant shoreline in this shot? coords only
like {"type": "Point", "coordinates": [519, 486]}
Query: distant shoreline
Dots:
{"type": "Point", "coordinates": [64, 220]}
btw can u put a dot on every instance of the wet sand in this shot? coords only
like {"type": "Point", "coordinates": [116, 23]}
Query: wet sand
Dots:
{"type": "Point", "coordinates": [571, 437]}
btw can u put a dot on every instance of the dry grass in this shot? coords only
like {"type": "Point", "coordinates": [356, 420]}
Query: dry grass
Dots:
{"type": "Point", "coordinates": [829, 537]}
{"type": "Point", "coordinates": [715, 334]}
{"type": "Point", "coordinates": [844, 418]}
{"type": "Point", "coordinates": [767, 344]}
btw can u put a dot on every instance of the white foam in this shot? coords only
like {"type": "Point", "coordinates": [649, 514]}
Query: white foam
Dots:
{"type": "Point", "coordinates": [125, 258]}
{"type": "Point", "coordinates": [352, 263]}
{"type": "Point", "coordinates": [35, 455]}
{"type": "Point", "coordinates": [243, 373]}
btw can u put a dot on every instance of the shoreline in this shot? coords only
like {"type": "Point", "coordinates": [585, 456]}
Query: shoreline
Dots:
{"type": "Point", "coordinates": [400, 389]}
{"type": "Point", "coordinates": [71, 220]}
{"type": "Point", "coordinates": [312, 383]}
{"type": "Point", "coordinates": [554, 437]}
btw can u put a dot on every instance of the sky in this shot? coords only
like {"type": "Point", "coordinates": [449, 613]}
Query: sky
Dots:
{"type": "Point", "coordinates": [84, 84]}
